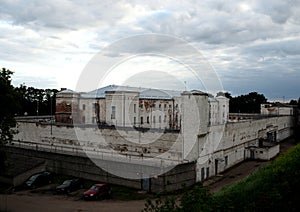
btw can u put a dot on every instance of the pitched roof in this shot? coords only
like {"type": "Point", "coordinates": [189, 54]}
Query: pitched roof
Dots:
{"type": "Point", "coordinates": [146, 93]}
{"type": "Point", "coordinates": [67, 91]}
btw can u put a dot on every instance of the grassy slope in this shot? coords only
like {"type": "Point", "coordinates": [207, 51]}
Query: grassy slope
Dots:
{"type": "Point", "coordinates": [273, 187]}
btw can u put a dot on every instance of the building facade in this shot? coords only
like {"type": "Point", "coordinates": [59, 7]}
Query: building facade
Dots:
{"type": "Point", "coordinates": [191, 132]}
{"type": "Point", "coordinates": [277, 108]}
{"type": "Point", "coordinates": [125, 106]}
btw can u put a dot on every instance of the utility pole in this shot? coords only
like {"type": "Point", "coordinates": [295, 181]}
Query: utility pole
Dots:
{"type": "Point", "coordinates": [37, 107]}
{"type": "Point", "coordinates": [51, 113]}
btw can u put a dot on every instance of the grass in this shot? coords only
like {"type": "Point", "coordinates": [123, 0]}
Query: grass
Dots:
{"type": "Point", "coordinates": [275, 186]}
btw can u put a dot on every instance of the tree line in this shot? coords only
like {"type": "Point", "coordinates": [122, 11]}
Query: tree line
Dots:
{"type": "Point", "coordinates": [23, 100]}
{"type": "Point", "coordinates": [250, 103]}
{"type": "Point", "coordinates": [35, 101]}
{"type": "Point", "coordinates": [20, 101]}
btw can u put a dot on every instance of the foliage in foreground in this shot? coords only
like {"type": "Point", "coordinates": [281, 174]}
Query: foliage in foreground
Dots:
{"type": "Point", "coordinates": [273, 187]}
{"type": "Point", "coordinates": [196, 199]}
{"type": "Point", "coordinates": [8, 107]}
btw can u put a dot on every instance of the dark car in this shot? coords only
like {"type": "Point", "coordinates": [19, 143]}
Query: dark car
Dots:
{"type": "Point", "coordinates": [39, 179]}
{"type": "Point", "coordinates": [97, 191]}
{"type": "Point", "coordinates": [69, 186]}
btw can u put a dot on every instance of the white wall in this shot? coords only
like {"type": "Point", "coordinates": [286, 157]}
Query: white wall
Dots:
{"type": "Point", "coordinates": [192, 144]}
{"type": "Point", "coordinates": [236, 138]}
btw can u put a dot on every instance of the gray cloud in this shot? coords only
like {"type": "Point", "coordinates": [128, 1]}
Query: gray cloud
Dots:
{"type": "Point", "coordinates": [250, 43]}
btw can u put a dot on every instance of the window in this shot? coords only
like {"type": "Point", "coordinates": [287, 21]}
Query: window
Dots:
{"type": "Point", "coordinates": [68, 107]}
{"type": "Point", "coordinates": [165, 106]}
{"type": "Point", "coordinates": [165, 118]}
{"type": "Point", "coordinates": [159, 119]}
{"type": "Point", "coordinates": [154, 106]}
{"type": "Point", "coordinates": [83, 107]}
{"type": "Point", "coordinates": [142, 120]}
{"type": "Point", "coordinates": [147, 119]}
{"type": "Point", "coordinates": [202, 173]}
{"type": "Point", "coordinates": [159, 106]}
{"type": "Point", "coordinates": [154, 119]}
{"type": "Point", "coordinates": [142, 106]}
{"type": "Point", "coordinates": [207, 172]}
{"type": "Point", "coordinates": [226, 160]}
{"type": "Point", "coordinates": [83, 119]}
{"type": "Point", "coordinates": [95, 105]}
{"type": "Point", "coordinates": [134, 121]}
{"type": "Point", "coordinates": [96, 108]}
{"type": "Point", "coordinates": [170, 106]}
{"type": "Point", "coordinates": [134, 108]}
{"type": "Point", "coordinates": [113, 112]}
{"type": "Point", "coordinates": [176, 106]}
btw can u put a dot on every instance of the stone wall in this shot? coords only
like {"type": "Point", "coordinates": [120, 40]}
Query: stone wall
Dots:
{"type": "Point", "coordinates": [82, 167]}
{"type": "Point", "coordinates": [198, 154]}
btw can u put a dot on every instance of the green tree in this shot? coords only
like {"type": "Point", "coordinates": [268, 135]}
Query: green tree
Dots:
{"type": "Point", "coordinates": [293, 102]}
{"type": "Point", "coordinates": [197, 199]}
{"type": "Point", "coordinates": [8, 107]}
{"type": "Point", "coordinates": [34, 101]}
{"type": "Point", "coordinates": [249, 103]}
{"type": "Point", "coordinates": [167, 204]}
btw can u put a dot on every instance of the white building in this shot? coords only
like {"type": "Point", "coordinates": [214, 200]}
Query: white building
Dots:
{"type": "Point", "coordinates": [276, 108]}
{"type": "Point", "coordinates": [191, 129]}
{"type": "Point", "coordinates": [125, 106]}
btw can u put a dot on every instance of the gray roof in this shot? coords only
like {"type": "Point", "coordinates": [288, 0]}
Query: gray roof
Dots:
{"type": "Point", "coordinates": [146, 93]}
{"type": "Point", "coordinates": [210, 99]}
{"type": "Point", "coordinates": [67, 91]}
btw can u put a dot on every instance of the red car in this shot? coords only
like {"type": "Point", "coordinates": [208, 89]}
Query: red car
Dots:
{"type": "Point", "coordinates": [97, 191]}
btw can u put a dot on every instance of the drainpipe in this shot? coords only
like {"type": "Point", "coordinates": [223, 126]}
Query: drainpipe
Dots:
{"type": "Point", "coordinates": [123, 110]}
{"type": "Point", "coordinates": [173, 122]}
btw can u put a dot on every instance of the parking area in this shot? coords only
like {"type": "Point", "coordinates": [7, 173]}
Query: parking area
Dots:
{"type": "Point", "coordinates": [36, 202]}
{"type": "Point", "coordinates": [46, 199]}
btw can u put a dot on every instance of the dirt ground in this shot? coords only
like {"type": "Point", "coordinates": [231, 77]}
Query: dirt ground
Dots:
{"type": "Point", "coordinates": [46, 202]}
{"type": "Point", "coordinates": [27, 201]}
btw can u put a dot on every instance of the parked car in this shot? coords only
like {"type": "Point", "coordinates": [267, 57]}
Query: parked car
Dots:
{"type": "Point", "coordinates": [69, 185]}
{"type": "Point", "coordinates": [39, 179]}
{"type": "Point", "coordinates": [97, 191]}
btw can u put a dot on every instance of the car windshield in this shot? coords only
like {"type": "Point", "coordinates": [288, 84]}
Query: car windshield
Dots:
{"type": "Point", "coordinates": [95, 188]}
{"type": "Point", "coordinates": [32, 178]}
{"type": "Point", "coordinates": [67, 182]}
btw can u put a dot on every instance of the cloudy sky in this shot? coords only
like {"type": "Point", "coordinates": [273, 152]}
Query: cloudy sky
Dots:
{"type": "Point", "coordinates": [251, 45]}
